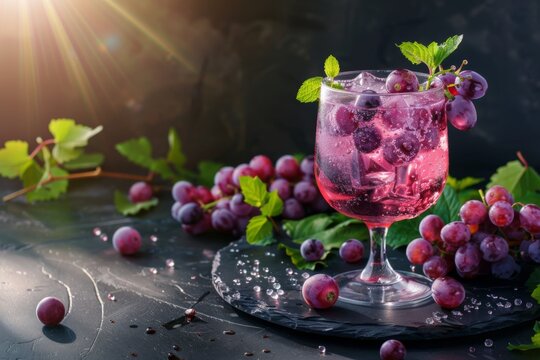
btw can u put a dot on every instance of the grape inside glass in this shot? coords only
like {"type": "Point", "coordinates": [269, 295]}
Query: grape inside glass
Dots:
{"type": "Point", "coordinates": [381, 157]}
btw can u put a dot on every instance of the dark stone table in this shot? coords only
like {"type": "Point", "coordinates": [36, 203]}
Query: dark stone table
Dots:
{"type": "Point", "coordinates": [49, 249]}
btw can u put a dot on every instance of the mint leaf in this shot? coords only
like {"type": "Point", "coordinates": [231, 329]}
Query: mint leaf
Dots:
{"type": "Point", "coordinates": [69, 137]}
{"type": "Point", "coordinates": [138, 151]}
{"type": "Point", "coordinates": [417, 53]}
{"type": "Point", "coordinates": [331, 67]}
{"type": "Point", "coordinates": [175, 155]}
{"type": "Point", "coordinates": [310, 90]}
{"type": "Point", "coordinates": [307, 226]}
{"type": "Point", "coordinates": [126, 207]}
{"type": "Point", "coordinates": [34, 174]}
{"type": "Point", "coordinates": [14, 158]}
{"type": "Point", "coordinates": [207, 171]}
{"type": "Point", "coordinates": [299, 261]}
{"type": "Point", "coordinates": [85, 161]}
{"type": "Point", "coordinates": [518, 179]}
{"type": "Point", "coordinates": [259, 231]}
{"type": "Point", "coordinates": [273, 206]}
{"type": "Point", "coordinates": [254, 190]}
{"type": "Point", "coordinates": [535, 341]}
{"type": "Point", "coordinates": [445, 49]}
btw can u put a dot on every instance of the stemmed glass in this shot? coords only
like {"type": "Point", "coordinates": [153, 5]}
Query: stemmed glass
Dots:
{"type": "Point", "coordinates": [380, 157]}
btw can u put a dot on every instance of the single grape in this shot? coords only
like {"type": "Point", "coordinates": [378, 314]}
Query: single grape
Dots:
{"type": "Point", "coordinates": [293, 210]}
{"type": "Point", "coordinates": [287, 167]}
{"type": "Point", "coordinates": [283, 188]}
{"type": "Point", "coordinates": [175, 210]}
{"type": "Point", "coordinates": [435, 267]}
{"type": "Point", "coordinates": [401, 149]}
{"type": "Point", "coordinates": [419, 251]}
{"type": "Point", "coordinates": [430, 228]}
{"type": "Point", "coordinates": [50, 311]}
{"type": "Point", "coordinates": [305, 192]}
{"type": "Point", "coordinates": [401, 80]}
{"type": "Point", "coordinates": [524, 250]}
{"type": "Point", "coordinates": [224, 203]}
{"type": "Point", "coordinates": [529, 216]}
{"type": "Point", "coordinates": [514, 231]}
{"type": "Point", "coordinates": [242, 170]}
{"type": "Point", "coordinates": [190, 213]}
{"type": "Point", "coordinates": [216, 192]}
{"type": "Point", "coordinates": [467, 260]}
{"type": "Point", "coordinates": [223, 220]}
{"type": "Point", "coordinates": [320, 291]}
{"type": "Point", "coordinates": [367, 139]}
{"type": "Point", "coordinates": [263, 167]}
{"type": "Point", "coordinates": [533, 251]}
{"type": "Point", "coordinates": [183, 191]}
{"type": "Point", "coordinates": [498, 193]}
{"type": "Point", "coordinates": [473, 212]}
{"type": "Point", "coordinates": [366, 103]}
{"type": "Point", "coordinates": [204, 195]}
{"type": "Point", "coordinates": [501, 214]}
{"type": "Point", "coordinates": [345, 121]}
{"type": "Point", "coordinates": [455, 234]}
{"type": "Point", "coordinates": [308, 165]}
{"type": "Point", "coordinates": [448, 80]}
{"type": "Point", "coordinates": [140, 192]}
{"type": "Point", "coordinates": [478, 236]}
{"type": "Point", "coordinates": [447, 292]}
{"type": "Point", "coordinates": [312, 249]}
{"type": "Point", "coordinates": [471, 85]}
{"type": "Point", "coordinates": [392, 350]}
{"type": "Point", "coordinates": [126, 240]}
{"type": "Point", "coordinates": [203, 226]}
{"type": "Point", "coordinates": [461, 113]}
{"type": "Point", "coordinates": [223, 179]}
{"type": "Point", "coordinates": [239, 207]}
{"type": "Point", "coordinates": [351, 251]}
{"type": "Point", "coordinates": [494, 248]}
{"type": "Point", "coordinates": [505, 269]}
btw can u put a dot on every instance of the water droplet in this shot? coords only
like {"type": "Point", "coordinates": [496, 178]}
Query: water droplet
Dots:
{"type": "Point", "coordinates": [190, 314]}
{"type": "Point", "coordinates": [248, 353]}
{"type": "Point", "coordinates": [171, 356]}
{"type": "Point", "coordinates": [275, 296]}
{"type": "Point", "coordinates": [267, 253]}
{"type": "Point", "coordinates": [488, 343]}
{"type": "Point", "coordinates": [430, 321]}
{"type": "Point", "coordinates": [104, 237]}
{"type": "Point", "coordinates": [280, 292]}
{"type": "Point", "coordinates": [257, 288]}
{"type": "Point", "coordinates": [169, 263]}
{"type": "Point", "coordinates": [176, 347]}
{"type": "Point", "coordinates": [269, 291]}
{"type": "Point", "coordinates": [111, 297]}
{"type": "Point", "coordinates": [266, 351]}
{"type": "Point", "coordinates": [236, 296]}
{"type": "Point", "coordinates": [322, 350]}
{"type": "Point", "coordinates": [229, 332]}
{"type": "Point", "coordinates": [265, 269]}
{"type": "Point", "coordinates": [276, 286]}
{"type": "Point", "coordinates": [507, 305]}
{"type": "Point", "coordinates": [153, 238]}
{"type": "Point", "coordinates": [457, 313]}
{"type": "Point", "coordinates": [490, 312]}
{"type": "Point", "coordinates": [236, 281]}
{"type": "Point", "coordinates": [150, 331]}
{"type": "Point", "coordinates": [528, 305]}
{"type": "Point", "coordinates": [289, 271]}
{"type": "Point", "coordinates": [256, 262]}
{"type": "Point", "coordinates": [518, 302]}
{"type": "Point", "coordinates": [472, 349]}
{"type": "Point", "coordinates": [133, 326]}
{"type": "Point", "coordinates": [96, 231]}
{"type": "Point", "coordinates": [271, 279]}
{"type": "Point", "coordinates": [413, 268]}
{"type": "Point", "coordinates": [153, 270]}
{"type": "Point", "coordinates": [305, 275]}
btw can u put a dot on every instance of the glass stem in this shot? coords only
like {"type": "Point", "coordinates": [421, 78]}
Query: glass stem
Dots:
{"type": "Point", "coordinates": [378, 270]}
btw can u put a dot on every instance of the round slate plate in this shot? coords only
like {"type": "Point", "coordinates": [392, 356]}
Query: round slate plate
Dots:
{"type": "Point", "coordinates": [261, 281]}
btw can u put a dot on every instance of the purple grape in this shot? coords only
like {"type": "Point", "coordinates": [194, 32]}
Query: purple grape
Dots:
{"type": "Point", "coordinates": [263, 167]}
{"type": "Point", "coordinates": [345, 121]}
{"type": "Point", "coordinates": [392, 350]}
{"type": "Point", "coordinates": [204, 195]}
{"type": "Point", "coordinates": [224, 203]}
{"type": "Point", "coordinates": [524, 250]}
{"type": "Point", "coordinates": [471, 85]}
{"type": "Point", "coordinates": [283, 188]}
{"type": "Point", "coordinates": [478, 236]}
{"type": "Point", "coordinates": [320, 291]}
{"type": "Point", "coordinates": [401, 80]}
{"type": "Point", "coordinates": [287, 167]}
{"type": "Point", "coordinates": [514, 231]}
{"type": "Point", "coordinates": [292, 209]}
{"type": "Point", "coordinates": [473, 212]}
{"type": "Point", "coordinates": [494, 248]}
{"type": "Point", "coordinates": [430, 228]}
{"type": "Point", "coordinates": [368, 101]}
{"type": "Point", "coordinates": [505, 269]}
{"type": "Point", "coordinates": [223, 220]}
{"type": "Point", "coordinates": [183, 191]}
{"type": "Point", "coordinates": [430, 138]}
{"type": "Point", "coordinates": [367, 139]}
{"type": "Point", "coordinates": [239, 207]}
{"type": "Point", "coordinates": [242, 223]}
{"type": "Point", "coordinates": [435, 267]}
{"type": "Point", "coordinates": [50, 311]}
{"type": "Point", "coordinates": [529, 216]}
{"type": "Point", "coordinates": [140, 192]}
{"type": "Point", "coordinates": [461, 113]}
{"type": "Point", "coordinates": [419, 251]}
{"type": "Point", "coordinates": [175, 210]}
{"type": "Point", "coordinates": [312, 249]}
{"type": "Point", "coordinates": [455, 234]}
{"type": "Point", "coordinates": [467, 260]}
{"type": "Point", "coordinates": [351, 251]}
{"type": "Point", "coordinates": [190, 214]}
{"type": "Point", "coordinates": [305, 192]}
{"type": "Point", "coordinates": [126, 240]}
{"type": "Point", "coordinates": [447, 292]}
{"type": "Point", "coordinates": [223, 179]}
{"type": "Point", "coordinates": [501, 214]}
{"type": "Point", "coordinates": [498, 193]}
{"type": "Point", "coordinates": [203, 226]}
{"type": "Point", "coordinates": [533, 251]}
{"type": "Point", "coordinates": [216, 192]}
{"type": "Point", "coordinates": [448, 80]}
{"type": "Point", "coordinates": [308, 165]}
{"type": "Point", "coordinates": [242, 170]}
{"type": "Point", "coordinates": [401, 149]}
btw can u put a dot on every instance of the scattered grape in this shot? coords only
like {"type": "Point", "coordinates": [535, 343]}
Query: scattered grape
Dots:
{"type": "Point", "coordinates": [430, 228]}
{"type": "Point", "coordinates": [401, 80]}
{"type": "Point", "coordinates": [312, 250]}
{"type": "Point", "coordinates": [501, 213]}
{"type": "Point", "coordinates": [447, 292]}
{"type": "Point", "coordinates": [126, 240]}
{"type": "Point", "coordinates": [140, 192]}
{"type": "Point", "coordinates": [320, 291]}
{"type": "Point", "coordinates": [461, 113]}
{"type": "Point", "coordinates": [392, 350]}
{"type": "Point", "coordinates": [50, 311]}
{"type": "Point", "coordinates": [351, 251]}
{"type": "Point", "coordinates": [419, 251]}
{"type": "Point", "coordinates": [473, 212]}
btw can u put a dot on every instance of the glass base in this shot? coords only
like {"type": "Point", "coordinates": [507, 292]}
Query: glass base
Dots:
{"type": "Point", "coordinates": [408, 290]}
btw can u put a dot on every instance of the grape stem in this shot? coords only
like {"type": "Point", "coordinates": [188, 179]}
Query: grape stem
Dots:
{"type": "Point", "coordinates": [274, 224]}
{"type": "Point", "coordinates": [40, 146]}
{"type": "Point", "coordinates": [98, 172]}
{"type": "Point", "coordinates": [522, 159]}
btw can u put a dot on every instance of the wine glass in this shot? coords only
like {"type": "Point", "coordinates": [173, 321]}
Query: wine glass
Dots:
{"type": "Point", "coordinates": [381, 157]}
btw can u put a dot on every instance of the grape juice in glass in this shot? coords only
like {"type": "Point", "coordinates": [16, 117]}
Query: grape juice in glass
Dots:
{"type": "Point", "coordinates": [381, 157]}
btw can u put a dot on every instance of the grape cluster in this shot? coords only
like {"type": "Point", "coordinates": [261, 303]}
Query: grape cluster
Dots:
{"type": "Point", "coordinates": [223, 208]}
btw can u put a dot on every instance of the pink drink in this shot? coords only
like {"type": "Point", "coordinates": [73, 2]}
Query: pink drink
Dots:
{"type": "Point", "coordinates": [382, 163]}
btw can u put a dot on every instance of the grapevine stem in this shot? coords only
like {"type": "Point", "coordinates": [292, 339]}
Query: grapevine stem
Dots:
{"type": "Point", "coordinates": [522, 159]}
{"type": "Point", "coordinates": [98, 172]}
{"type": "Point", "coordinates": [274, 224]}
{"type": "Point", "coordinates": [40, 146]}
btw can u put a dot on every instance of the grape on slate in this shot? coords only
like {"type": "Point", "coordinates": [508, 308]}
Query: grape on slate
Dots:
{"type": "Point", "coordinates": [461, 113]}
{"type": "Point", "coordinates": [50, 311]}
{"type": "Point", "coordinates": [126, 240]}
{"type": "Point", "coordinates": [392, 350]}
{"type": "Point", "coordinates": [505, 268]}
{"type": "Point", "coordinates": [447, 292]}
{"type": "Point", "coordinates": [430, 228]}
{"type": "Point", "coordinates": [401, 80]}
{"type": "Point", "coordinates": [320, 291]}
{"type": "Point", "coordinates": [471, 84]}
{"type": "Point", "coordinates": [435, 267]}
{"type": "Point", "coordinates": [140, 192]}
{"type": "Point", "coordinates": [467, 260]}
{"type": "Point", "coordinates": [312, 249]}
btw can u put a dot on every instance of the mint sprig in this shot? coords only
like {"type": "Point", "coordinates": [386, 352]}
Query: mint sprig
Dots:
{"type": "Point", "coordinates": [310, 90]}
{"type": "Point", "coordinates": [433, 54]}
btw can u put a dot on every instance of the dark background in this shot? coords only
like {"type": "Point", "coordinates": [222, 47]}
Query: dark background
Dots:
{"type": "Point", "coordinates": [225, 73]}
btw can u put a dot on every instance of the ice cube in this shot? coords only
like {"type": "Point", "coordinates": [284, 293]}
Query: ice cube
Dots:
{"type": "Point", "coordinates": [368, 81]}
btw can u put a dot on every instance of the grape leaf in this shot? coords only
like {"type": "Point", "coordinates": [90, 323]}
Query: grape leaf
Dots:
{"type": "Point", "coordinates": [207, 171]}
{"type": "Point", "coordinates": [126, 207]}
{"type": "Point", "coordinates": [299, 261]}
{"type": "Point", "coordinates": [259, 231]}
{"type": "Point", "coordinates": [175, 155]}
{"type": "Point", "coordinates": [14, 158]}
{"type": "Point", "coordinates": [535, 341]}
{"type": "Point", "coordinates": [448, 205]}
{"type": "Point", "coordinates": [138, 151]}
{"type": "Point", "coordinates": [69, 137]}
{"type": "Point", "coordinates": [310, 90]}
{"type": "Point", "coordinates": [331, 67]}
{"type": "Point", "coordinates": [254, 190]}
{"type": "Point", "coordinates": [85, 161]}
{"type": "Point", "coordinates": [333, 237]}
{"type": "Point", "coordinates": [462, 184]}
{"type": "Point", "coordinates": [309, 225]}
{"type": "Point", "coordinates": [161, 167]}
{"type": "Point", "coordinates": [273, 205]}
{"type": "Point", "coordinates": [35, 173]}
{"type": "Point", "coordinates": [533, 280]}
{"type": "Point", "coordinates": [518, 179]}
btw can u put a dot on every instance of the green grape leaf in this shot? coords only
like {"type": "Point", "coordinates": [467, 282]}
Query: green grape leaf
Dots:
{"type": "Point", "coordinates": [445, 49]}
{"type": "Point", "coordinates": [535, 341]}
{"type": "Point", "coordinates": [448, 205]}
{"type": "Point", "coordinates": [462, 184]}
{"type": "Point", "coordinates": [85, 161]}
{"type": "Point", "coordinates": [273, 205]}
{"type": "Point", "coordinates": [299, 261]}
{"type": "Point", "coordinates": [259, 231]}
{"type": "Point", "coordinates": [69, 137]}
{"type": "Point", "coordinates": [536, 294]}
{"type": "Point", "coordinates": [521, 181]}
{"type": "Point", "coordinates": [14, 159]}
{"type": "Point", "coordinates": [175, 155]}
{"type": "Point", "coordinates": [333, 237]}
{"type": "Point", "coordinates": [34, 174]}
{"type": "Point", "coordinates": [310, 90]}
{"type": "Point", "coordinates": [126, 207]}
{"type": "Point", "coordinates": [162, 168]}
{"type": "Point", "coordinates": [254, 190]}
{"type": "Point", "coordinates": [310, 225]}
{"type": "Point", "coordinates": [138, 151]}
{"type": "Point", "coordinates": [331, 67]}
{"type": "Point", "coordinates": [533, 280]}
{"type": "Point", "coordinates": [207, 171]}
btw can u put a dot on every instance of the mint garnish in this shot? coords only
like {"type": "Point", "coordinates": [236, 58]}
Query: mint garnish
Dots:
{"type": "Point", "coordinates": [433, 54]}
{"type": "Point", "coordinates": [310, 90]}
